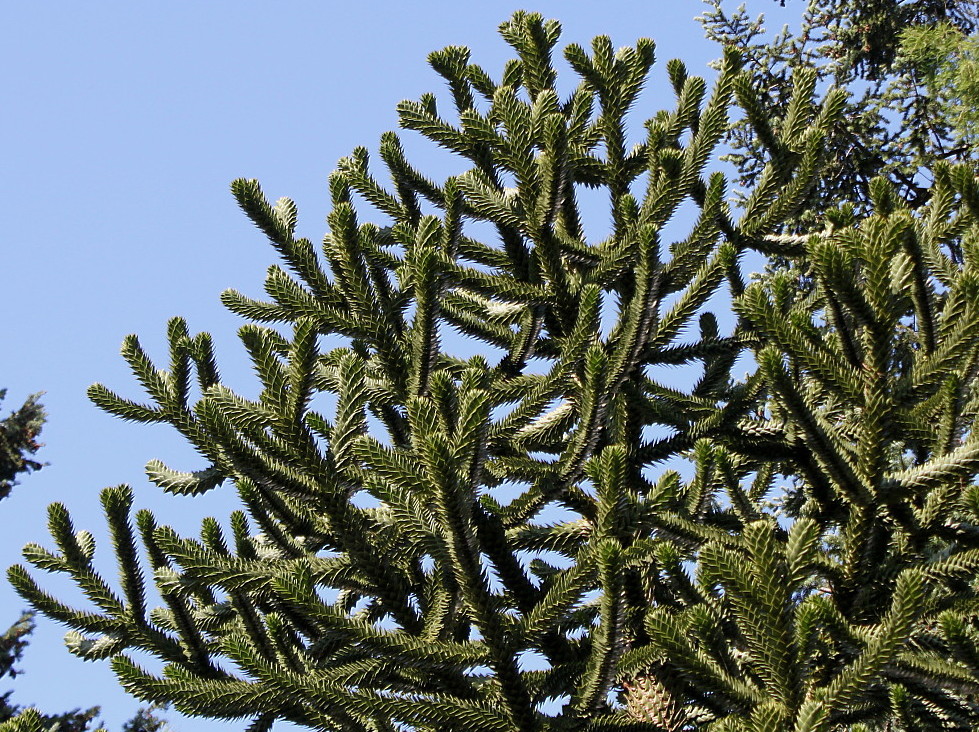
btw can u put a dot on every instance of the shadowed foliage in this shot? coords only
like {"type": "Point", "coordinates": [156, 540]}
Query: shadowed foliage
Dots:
{"type": "Point", "coordinates": [550, 535]}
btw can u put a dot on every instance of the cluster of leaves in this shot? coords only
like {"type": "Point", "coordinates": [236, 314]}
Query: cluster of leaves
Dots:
{"type": "Point", "coordinates": [13, 643]}
{"type": "Point", "coordinates": [867, 36]}
{"type": "Point", "coordinates": [947, 63]}
{"type": "Point", "coordinates": [397, 563]}
{"type": "Point", "coordinates": [18, 442]}
{"type": "Point", "coordinates": [906, 110]}
{"type": "Point", "coordinates": [859, 604]}
{"type": "Point", "coordinates": [31, 720]}
{"type": "Point", "coordinates": [18, 439]}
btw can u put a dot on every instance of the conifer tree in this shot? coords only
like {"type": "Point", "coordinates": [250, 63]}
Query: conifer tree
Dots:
{"type": "Point", "coordinates": [898, 122]}
{"type": "Point", "coordinates": [498, 542]}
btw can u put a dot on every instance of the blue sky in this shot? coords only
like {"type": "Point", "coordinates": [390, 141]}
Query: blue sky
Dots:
{"type": "Point", "coordinates": [124, 123]}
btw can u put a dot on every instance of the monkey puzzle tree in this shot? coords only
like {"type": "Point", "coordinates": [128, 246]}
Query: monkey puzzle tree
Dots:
{"type": "Point", "coordinates": [498, 542]}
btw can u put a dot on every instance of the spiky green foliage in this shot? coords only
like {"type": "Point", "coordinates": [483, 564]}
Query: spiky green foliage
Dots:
{"type": "Point", "coordinates": [417, 525]}
{"type": "Point", "coordinates": [18, 441]}
{"type": "Point", "coordinates": [906, 64]}
{"type": "Point", "coordinates": [13, 643]}
{"type": "Point", "coordinates": [835, 609]}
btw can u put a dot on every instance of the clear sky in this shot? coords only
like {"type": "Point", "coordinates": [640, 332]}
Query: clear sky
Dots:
{"type": "Point", "coordinates": [123, 124]}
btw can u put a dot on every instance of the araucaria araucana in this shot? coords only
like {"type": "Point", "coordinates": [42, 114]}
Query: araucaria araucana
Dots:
{"type": "Point", "coordinates": [401, 559]}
